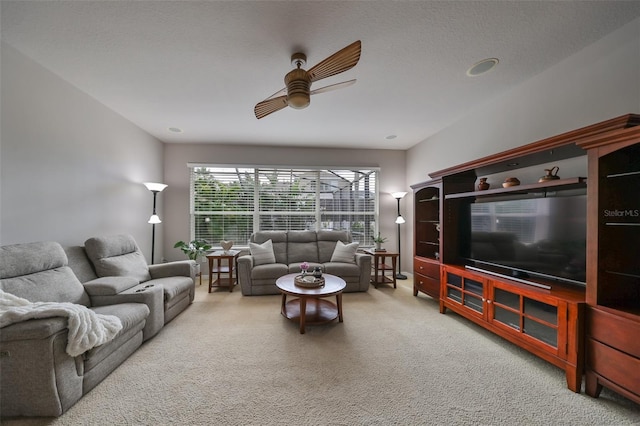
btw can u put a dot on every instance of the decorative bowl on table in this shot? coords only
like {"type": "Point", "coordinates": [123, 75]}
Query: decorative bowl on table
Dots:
{"type": "Point", "coordinates": [308, 281]}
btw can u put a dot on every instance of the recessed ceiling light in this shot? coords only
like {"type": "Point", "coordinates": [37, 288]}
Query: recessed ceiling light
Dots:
{"type": "Point", "coordinates": [391, 137]}
{"type": "Point", "coordinates": [175, 130]}
{"type": "Point", "coordinates": [482, 67]}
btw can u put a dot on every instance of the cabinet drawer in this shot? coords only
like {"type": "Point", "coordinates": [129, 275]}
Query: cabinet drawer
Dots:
{"type": "Point", "coordinates": [615, 366]}
{"type": "Point", "coordinates": [426, 268]}
{"type": "Point", "coordinates": [620, 333]}
{"type": "Point", "coordinates": [428, 285]}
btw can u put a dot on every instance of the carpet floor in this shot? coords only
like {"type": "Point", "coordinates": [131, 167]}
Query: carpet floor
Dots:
{"type": "Point", "coordinates": [395, 360]}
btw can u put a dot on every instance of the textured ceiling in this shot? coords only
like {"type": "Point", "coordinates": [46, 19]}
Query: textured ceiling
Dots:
{"type": "Point", "coordinates": [202, 65]}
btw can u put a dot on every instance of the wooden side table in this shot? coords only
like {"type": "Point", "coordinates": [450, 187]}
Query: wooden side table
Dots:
{"type": "Point", "coordinates": [219, 258]}
{"type": "Point", "coordinates": [380, 266]}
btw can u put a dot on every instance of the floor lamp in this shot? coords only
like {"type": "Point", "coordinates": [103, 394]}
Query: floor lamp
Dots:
{"type": "Point", "coordinates": [399, 220]}
{"type": "Point", "coordinates": [154, 219]}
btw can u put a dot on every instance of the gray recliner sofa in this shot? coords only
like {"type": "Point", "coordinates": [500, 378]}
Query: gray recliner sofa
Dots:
{"type": "Point", "coordinates": [112, 269]}
{"type": "Point", "coordinates": [38, 377]}
{"type": "Point", "coordinates": [290, 249]}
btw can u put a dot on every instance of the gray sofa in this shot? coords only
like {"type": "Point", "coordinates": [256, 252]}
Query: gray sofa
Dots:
{"type": "Point", "coordinates": [113, 269]}
{"type": "Point", "coordinates": [39, 377]}
{"type": "Point", "coordinates": [290, 249]}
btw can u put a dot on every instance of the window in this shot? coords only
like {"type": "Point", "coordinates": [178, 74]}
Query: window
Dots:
{"type": "Point", "coordinates": [230, 203]}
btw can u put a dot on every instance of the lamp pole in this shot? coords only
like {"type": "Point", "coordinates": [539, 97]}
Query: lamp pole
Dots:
{"type": "Point", "coordinates": [399, 220]}
{"type": "Point", "coordinates": [154, 219]}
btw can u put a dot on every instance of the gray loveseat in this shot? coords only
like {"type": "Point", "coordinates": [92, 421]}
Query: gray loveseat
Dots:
{"type": "Point", "coordinates": [290, 249]}
{"type": "Point", "coordinates": [39, 377]}
{"type": "Point", "coordinates": [113, 269]}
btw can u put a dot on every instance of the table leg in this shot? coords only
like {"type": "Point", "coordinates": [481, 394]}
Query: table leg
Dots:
{"type": "Point", "coordinates": [284, 303]}
{"type": "Point", "coordinates": [393, 265]}
{"type": "Point", "coordinates": [233, 280]}
{"type": "Point", "coordinates": [219, 272]}
{"type": "Point", "coordinates": [339, 303]}
{"type": "Point", "coordinates": [376, 261]}
{"type": "Point", "coordinates": [210, 274]}
{"type": "Point", "coordinates": [303, 313]}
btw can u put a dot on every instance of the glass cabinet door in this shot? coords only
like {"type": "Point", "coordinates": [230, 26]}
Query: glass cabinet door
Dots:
{"type": "Point", "coordinates": [466, 291]}
{"type": "Point", "coordinates": [526, 316]}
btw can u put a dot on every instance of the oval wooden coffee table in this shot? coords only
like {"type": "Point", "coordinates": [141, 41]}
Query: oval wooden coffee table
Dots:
{"type": "Point", "coordinates": [310, 307]}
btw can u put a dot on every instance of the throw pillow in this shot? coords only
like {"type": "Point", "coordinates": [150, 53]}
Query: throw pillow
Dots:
{"type": "Point", "coordinates": [262, 253]}
{"type": "Point", "coordinates": [344, 253]}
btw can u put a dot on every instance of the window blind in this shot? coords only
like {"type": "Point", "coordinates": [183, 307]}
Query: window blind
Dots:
{"type": "Point", "coordinates": [230, 203]}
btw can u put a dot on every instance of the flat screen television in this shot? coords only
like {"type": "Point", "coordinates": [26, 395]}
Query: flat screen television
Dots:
{"type": "Point", "coordinates": [542, 236]}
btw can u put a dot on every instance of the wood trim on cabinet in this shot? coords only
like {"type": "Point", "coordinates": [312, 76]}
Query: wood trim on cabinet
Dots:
{"type": "Point", "coordinates": [554, 142]}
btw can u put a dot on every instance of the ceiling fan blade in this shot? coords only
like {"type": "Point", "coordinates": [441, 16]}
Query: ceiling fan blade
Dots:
{"type": "Point", "coordinates": [280, 92]}
{"type": "Point", "coordinates": [332, 87]}
{"type": "Point", "coordinates": [340, 61]}
{"type": "Point", "coordinates": [268, 106]}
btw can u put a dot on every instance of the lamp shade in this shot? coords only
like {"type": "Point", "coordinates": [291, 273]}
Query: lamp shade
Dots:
{"type": "Point", "coordinates": [398, 195]}
{"type": "Point", "coordinates": [400, 220]}
{"type": "Point", "coordinates": [154, 219]}
{"type": "Point", "coordinates": [155, 187]}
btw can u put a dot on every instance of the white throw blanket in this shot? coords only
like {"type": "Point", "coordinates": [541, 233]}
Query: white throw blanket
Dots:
{"type": "Point", "coordinates": [87, 329]}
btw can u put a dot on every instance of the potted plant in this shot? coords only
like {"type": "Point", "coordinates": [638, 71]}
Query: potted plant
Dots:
{"type": "Point", "coordinates": [379, 240]}
{"type": "Point", "coordinates": [194, 250]}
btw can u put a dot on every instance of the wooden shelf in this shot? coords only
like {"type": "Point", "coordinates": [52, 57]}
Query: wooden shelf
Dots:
{"type": "Point", "coordinates": [570, 183]}
{"type": "Point", "coordinates": [613, 293]}
{"type": "Point", "coordinates": [426, 237]}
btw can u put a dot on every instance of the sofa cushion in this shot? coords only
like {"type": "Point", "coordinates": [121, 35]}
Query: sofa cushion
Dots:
{"type": "Point", "coordinates": [117, 255]}
{"type": "Point", "coordinates": [38, 272]}
{"type": "Point", "coordinates": [342, 270]}
{"type": "Point", "coordinates": [270, 271]}
{"type": "Point", "coordinates": [302, 246]}
{"type": "Point", "coordinates": [278, 239]}
{"type": "Point", "coordinates": [327, 242]}
{"type": "Point", "coordinates": [132, 316]}
{"type": "Point", "coordinates": [80, 263]}
{"type": "Point", "coordinates": [262, 253]}
{"type": "Point", "coordinates": [345, 253]}
{"type": "Point", "coordinates": [173, 286]}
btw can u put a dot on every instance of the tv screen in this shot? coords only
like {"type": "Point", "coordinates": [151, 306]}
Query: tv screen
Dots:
{"type": "Point", "coordinates": [543, 237]}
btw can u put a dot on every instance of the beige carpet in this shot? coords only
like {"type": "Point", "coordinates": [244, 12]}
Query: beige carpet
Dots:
{"type": "Point", "coordinates": [234, 360]}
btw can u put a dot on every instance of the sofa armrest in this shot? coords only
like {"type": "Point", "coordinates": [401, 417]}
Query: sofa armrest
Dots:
{"type": "Point", "coordinates": [364, 263]}
{"type": "Point", "coordinates": [181, 268]}
{"type": "Point", "coordinates": [109, 286]}
{"type": "Point", "coordinates": [245, 265]}
{"type": "Point", "coordinates": [34, 329]}
{"type": "Point", "coordinates": [38, 377]}
{"type": "Point", "coordinates": [107, 291]}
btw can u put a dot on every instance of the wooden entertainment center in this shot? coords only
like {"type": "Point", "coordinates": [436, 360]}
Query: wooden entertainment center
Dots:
{"type": "Point", "coordinates": [592, 328]}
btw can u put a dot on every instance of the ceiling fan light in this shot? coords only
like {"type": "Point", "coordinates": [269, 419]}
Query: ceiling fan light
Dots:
{"type": "Point", "coordinates": [298, 100]}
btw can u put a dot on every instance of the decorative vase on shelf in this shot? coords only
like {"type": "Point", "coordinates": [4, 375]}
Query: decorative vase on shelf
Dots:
{"type": "Point", "coordinates": [551, 174]}
{"type": "Point", "coordinates": [483, 184]}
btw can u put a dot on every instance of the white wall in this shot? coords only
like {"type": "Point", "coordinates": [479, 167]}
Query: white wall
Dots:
{"type": "Point", "coordinates": [176, 196]}
{"type": "Point", "coordinates": [598, 83]}
{"type": "Point", "coordinates": [70, 168]}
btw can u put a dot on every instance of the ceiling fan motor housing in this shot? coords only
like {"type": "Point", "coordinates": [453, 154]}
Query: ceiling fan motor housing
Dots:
{"type": "Point", "coordinates": [298, 85]}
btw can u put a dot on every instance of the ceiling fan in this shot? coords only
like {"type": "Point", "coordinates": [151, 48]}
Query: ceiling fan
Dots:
{"type": "Point", "coordinates": [297, 92]}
